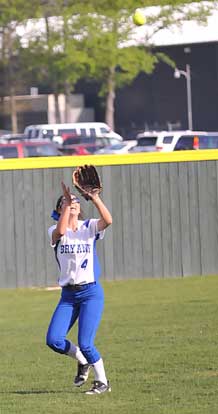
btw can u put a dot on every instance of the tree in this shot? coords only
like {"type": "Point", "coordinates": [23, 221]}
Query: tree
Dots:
{"type": "Point", "coordinates": [88, 39]}
{"type": "Point", "coordinates": [109, 29]}
{"type": "Point", "coordinates": [112, 64]}
{"type": "Point", "coordinates": [11, 15]}
{"type": "Point", "coordinates": [56, 54]}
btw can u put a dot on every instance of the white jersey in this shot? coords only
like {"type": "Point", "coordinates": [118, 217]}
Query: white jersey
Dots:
{"type": "Point", "coordinates": [76, 253]}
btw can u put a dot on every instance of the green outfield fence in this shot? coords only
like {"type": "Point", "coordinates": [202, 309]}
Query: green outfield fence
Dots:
{"type": "Point", "coordinates": [164, 207]}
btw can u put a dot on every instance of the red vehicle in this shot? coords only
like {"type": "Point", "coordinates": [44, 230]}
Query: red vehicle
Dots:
{"type": "Point", "coordinates": [79, 149]}
{"type": "Point", "coordinates": [100, 142]}
{"type": "Point", "coordinates": [28, 148]}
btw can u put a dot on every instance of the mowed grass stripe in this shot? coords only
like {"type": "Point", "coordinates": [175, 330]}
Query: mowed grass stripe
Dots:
{"type": "Point", "coordinates": [158, 338]}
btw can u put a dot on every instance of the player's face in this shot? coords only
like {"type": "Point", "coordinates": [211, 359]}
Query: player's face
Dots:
{"type": "Point", "coordinates": [75, 205]}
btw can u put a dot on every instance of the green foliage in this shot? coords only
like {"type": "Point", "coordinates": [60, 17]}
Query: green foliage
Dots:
{"type": "Point", "coordinates": [106, 53]}
{"type": "Point", "coordinates": [158, 339]}
{"type": "Point", "coordinates": [15, 11]}
{"type": "Point", "coordinates": [108, 31]}
{"type": "Point", "coordinates": [89, 39]}
{"type": "Point", "coordinates": [132, 61]}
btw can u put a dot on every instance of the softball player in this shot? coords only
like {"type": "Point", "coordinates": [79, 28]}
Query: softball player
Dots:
{"type": "Point", "coordinates": [82, 297]}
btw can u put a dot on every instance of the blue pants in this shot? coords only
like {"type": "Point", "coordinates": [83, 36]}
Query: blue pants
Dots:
{"type": "Point", "coordinates": [86, 305]}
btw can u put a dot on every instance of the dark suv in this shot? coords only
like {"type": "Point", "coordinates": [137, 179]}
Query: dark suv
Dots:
{"type": "Point", "coordinates": [208, 140]}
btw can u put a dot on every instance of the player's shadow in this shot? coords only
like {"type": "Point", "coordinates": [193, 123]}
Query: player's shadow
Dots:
{"type": "Point", "coordinates": [32, 392]}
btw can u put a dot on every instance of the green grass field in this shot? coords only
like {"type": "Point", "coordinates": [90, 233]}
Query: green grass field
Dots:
{"type": "Point", "coordinates": [158, 338]}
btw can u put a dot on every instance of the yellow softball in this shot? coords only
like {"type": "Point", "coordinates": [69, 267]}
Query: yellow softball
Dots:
{"type": "Point", "coordinates": [138, 18]}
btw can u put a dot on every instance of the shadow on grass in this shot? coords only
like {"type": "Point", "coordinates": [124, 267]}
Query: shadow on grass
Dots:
{"type": "Point", "coordinates": [23, 392]}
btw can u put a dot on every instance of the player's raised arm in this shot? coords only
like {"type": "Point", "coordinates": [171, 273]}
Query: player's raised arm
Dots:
{"type": "Point", "coordinates": [105, 215]}
{"type": "Point", "coordinates": [88, 183]}
{"type": "Point", "coordinates": [64, 211]}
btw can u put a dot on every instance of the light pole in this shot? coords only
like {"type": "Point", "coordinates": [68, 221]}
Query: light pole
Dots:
{"type": "Point", "coordinates": [187, 74]}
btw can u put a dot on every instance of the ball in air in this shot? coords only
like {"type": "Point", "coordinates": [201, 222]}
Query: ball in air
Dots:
{"type": "Point", "coordinates": [138, 18]}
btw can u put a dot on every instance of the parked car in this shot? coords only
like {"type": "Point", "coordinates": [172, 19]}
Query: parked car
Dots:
{"type": "Point", "coordinates": [78, 149]}
{"type": "Point", "coordinates": [197, 142]}
{"type": "Point", "coordinates": [55, 132]}
{"type": "Point", "coordinates": [186, 140]}
{"type": "Point", "coordinates": [6, 138]}
{"type": "Point", "coordinates": [4, 131]}
{"type": "Point", "coordinates": [120, 148]}
{"type": "Point", "coordinates": [147, 141]}
{"type": "Point", "coordinates": [145, 144]}
{"type": "Point", "coordinates": [28, 148]}
{"type": "Point", "coordinates": [72, 139]}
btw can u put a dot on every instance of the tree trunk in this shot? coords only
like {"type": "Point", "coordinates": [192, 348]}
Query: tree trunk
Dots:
{"type": "Point", "coordinates": [13, 111]}
{"type": "Point", "coordinates": [67, 89]}
{"type": "Point", "coordinates": [7, 53]}
{"type": "Point", "coordinates": [52, 76]}
{"type": "Point", "coordinates": [57, 109]}
{"type": "Point", "coordinates": [11, 77]}
{"type": "Point", "coordinates": [109, 111]}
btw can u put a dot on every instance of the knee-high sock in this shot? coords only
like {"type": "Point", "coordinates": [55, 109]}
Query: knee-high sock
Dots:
{"type": "Point", "coordinates": [99, 371]}
{"type": "Point", "coordinates": [74, 352]}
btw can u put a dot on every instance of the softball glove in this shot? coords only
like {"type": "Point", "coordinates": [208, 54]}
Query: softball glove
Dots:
{"type": "Point", "coordinates": [87, 181]}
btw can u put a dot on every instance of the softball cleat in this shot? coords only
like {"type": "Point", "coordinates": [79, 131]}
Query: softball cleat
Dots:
{"type": "Point", "coordinates": [82, 374]}
{"type": "Point", "coordinates": [98, 388]}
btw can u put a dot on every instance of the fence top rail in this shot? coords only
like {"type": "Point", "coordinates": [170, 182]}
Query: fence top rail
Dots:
{"type": "Point", "coordinates": [107, 159]}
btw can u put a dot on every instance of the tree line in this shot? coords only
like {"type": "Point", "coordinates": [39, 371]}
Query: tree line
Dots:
{"type": "Point", "coordinates": [59, 42]}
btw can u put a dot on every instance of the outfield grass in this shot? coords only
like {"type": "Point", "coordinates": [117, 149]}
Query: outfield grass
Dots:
{"type": "Point", "coordinates": [158, 338]}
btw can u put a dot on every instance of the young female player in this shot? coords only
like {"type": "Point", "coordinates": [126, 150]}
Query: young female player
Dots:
{"type": "Point", "coordinates": [82, 297]}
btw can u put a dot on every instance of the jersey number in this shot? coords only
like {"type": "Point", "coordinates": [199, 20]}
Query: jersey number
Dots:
{"type": "Point", "coordinates": [84, 264]}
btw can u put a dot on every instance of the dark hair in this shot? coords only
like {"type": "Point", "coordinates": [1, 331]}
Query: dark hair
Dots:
{"type": "Point", "coordinates": [58, 205]}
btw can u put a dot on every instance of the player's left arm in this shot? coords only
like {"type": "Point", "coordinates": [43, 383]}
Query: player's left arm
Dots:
{"type": "Point", "coordinates": [105, 215]}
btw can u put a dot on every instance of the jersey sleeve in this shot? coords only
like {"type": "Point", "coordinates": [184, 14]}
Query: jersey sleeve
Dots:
{"type": "Point", "coordinates": [94, 230]}
{"type": "Point", "coordinates": [50, 231]}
